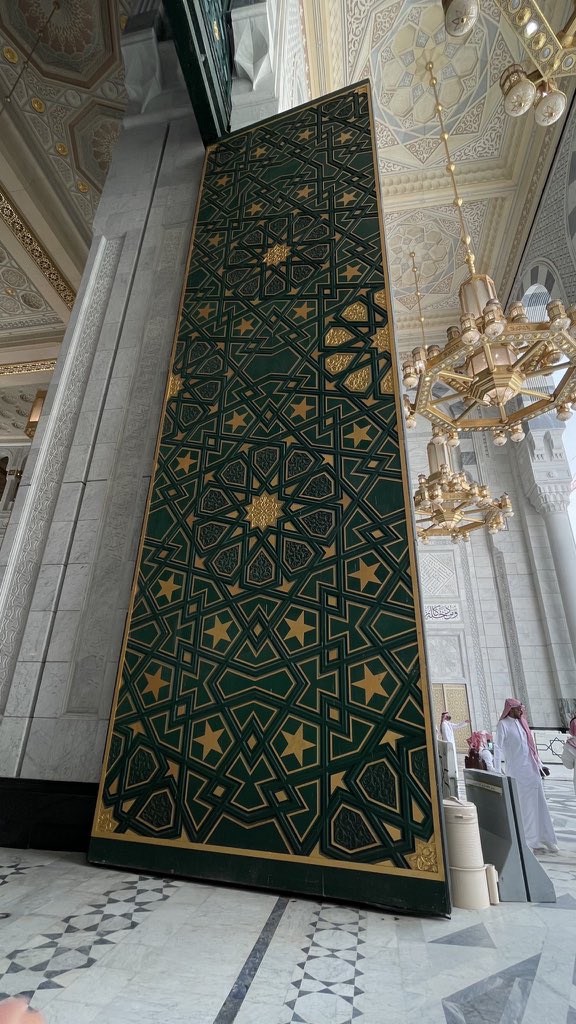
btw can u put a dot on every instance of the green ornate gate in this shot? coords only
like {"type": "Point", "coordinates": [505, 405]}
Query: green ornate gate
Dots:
{"type": "Point", "coordinates": [271, 723]}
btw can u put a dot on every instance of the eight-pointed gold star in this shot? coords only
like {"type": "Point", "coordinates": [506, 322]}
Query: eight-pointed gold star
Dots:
{"type": "Point", "coordinates": [296, 744]}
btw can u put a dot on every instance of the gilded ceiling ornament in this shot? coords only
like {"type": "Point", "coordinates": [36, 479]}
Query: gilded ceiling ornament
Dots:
{"type": "Point", "coordinates": [123, 21]}
{"type": "Point", "coordinates": [264, 511]}
{"type": "Point", "coordinates": [276, 254]}
{"type": "Point", "coordinates": [62, 148]}
{"type": "Point", "coordinates": [38, 105]}
{"type": "Point", "coordinates": [82, 186]}
{"type": "Point", "coordinates": [11, 369]}
{"type": "Point", "coordinates": [359, 380]}
{"type": "Point", "coordinates": [11, 217]}
{"type": "Point", "coordinates": [175, 385]}
{"type": "Point", "coordinates": [216, 31]}
{"type": "Point", "coordinates": [10, 55]}
{"type": "Point", "coordinates": [387, 384]}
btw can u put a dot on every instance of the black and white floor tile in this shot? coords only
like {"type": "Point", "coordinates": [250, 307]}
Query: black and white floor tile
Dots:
{"type": "Point", "coordinates": [94, 946]}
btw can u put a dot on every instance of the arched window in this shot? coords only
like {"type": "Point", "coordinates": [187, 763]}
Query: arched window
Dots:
{"type": "Point", "coordinates": [535, 300]}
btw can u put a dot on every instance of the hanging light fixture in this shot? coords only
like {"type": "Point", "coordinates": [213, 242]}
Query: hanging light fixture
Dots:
{"type": "Point", "coordinates": [493, 371]}
{"type": "Point", "coordinates": [552, 54]}
{"type": "Point", "coordinates": [446, 503]}
{"type": "Point", "coordinates": [460, 16]}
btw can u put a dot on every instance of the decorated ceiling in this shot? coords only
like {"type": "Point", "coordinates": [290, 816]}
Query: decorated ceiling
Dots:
{"type": "Point", "coordinates": [501, 162]}
{"type": "Point", "coordinates": [58, 132]}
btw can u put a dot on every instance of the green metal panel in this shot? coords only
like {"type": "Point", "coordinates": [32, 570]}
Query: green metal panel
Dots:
{"type": "Point", "coordinates": [271, 723]}
{"type": "Point", "coordinates": [200, 34]}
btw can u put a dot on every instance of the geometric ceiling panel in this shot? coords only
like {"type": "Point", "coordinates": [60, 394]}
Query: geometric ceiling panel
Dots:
{"type": "Point", "coordinates": [93, 134]}
{"type": "Point", "coordinates": [78, 46]}
{"type": "Point", "coordinates": [15, 405]}
{"type": "Point", "coordinates": [21, 304]}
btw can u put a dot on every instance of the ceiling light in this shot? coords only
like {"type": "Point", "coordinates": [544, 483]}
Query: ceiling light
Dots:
{"type": "Point", "coordinates": [460, 16]}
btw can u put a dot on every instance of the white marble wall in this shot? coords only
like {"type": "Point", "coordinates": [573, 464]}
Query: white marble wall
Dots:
{"type": "Point", "coordinates": [69, 553]}
{"type": "Point", "coordinates": [494, 616]}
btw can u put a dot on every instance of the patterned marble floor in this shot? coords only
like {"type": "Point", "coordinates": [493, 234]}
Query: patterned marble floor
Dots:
{"type": "Point", "coordinates": [91, 945]}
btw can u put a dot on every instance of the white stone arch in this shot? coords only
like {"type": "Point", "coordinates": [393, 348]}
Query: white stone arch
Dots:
{"type": "Point", "coordinates": [544, 275]}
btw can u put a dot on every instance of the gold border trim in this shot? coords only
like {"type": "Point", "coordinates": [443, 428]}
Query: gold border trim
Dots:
{"type": "Point", "coordinates": [11, 369]}
{"type": "Point", "coordinates": [381, 867]}
{"type": "Point", "coordinates": [22, 231]}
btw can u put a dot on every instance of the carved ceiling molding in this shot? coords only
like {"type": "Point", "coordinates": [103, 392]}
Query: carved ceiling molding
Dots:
{"type": "Point", "coordinates": [23, 233]}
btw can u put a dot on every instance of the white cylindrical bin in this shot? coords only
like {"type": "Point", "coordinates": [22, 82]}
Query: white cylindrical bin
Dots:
{"type": "Point", "coordinates": [469, 888]}
{"type": "Point", "coordinates": [467, 870]}
{"type": "Point", "coordinates": [463, 834]}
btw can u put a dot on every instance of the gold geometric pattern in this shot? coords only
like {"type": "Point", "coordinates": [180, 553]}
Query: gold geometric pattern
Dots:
{"type": "Point", "coordinates": [276, 254]}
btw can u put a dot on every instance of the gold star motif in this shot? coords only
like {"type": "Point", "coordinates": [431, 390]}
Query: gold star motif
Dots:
{"type": "Point", "coordinates": [255, 208]}
{"type": "Point", "coordinates": [184, 462]}
{"type": "Point", "coordinates": [154, 683]}
{"type": "Point", "coordinates": [223, 179]}
{"type": "Point", "coordinates": [305, 135]}
{"type": "Point", "coordinates": [359, 434]}
{"type": "Point", "coordinates": [276, 254]}
{"type": "Point", "coordinates": [348, 197]}
{"type": "Point", "coordinates": [344, 137]}
{"type": "Point", "coordinates": [245, 325]}
{"type": "Point", "coordinates": [301, 409]}
{"type": "Point", "coordinates": [205, 311]}
{"type": "Point", "coordinates": [265, 510]}
{"type": "Point", "coordinates": [304, 193]}
{"type": "Point", "coordinates": [167, 588]}
{"type": "Point", "coordinates": [366, 574]}
{"type": "Point", "coordinates": [296, 744]}
{"type": "Point", "coordinates": [351, 272]}
{"type": "Point", "coordinates": [210, 740]}
{"type": "Point", "coordinates": [237, 420]}
{"type": "Point", "coordinates": [303, 311]}
{"type": "Point", "coordinates": [219, 631]}
{"type": "Point", "coordinates": [260, 152]}
{"type": "Point", "coordinates": [371, 684]}
{"type": "Point", "coordinates": [298, 629]}
{"type": "Point", "coordinates": [215, 240]}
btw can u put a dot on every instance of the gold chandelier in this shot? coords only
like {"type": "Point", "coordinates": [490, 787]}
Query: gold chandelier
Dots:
{"type": "Point", "coordinates": [552, 53]}
{"type": "Point", "coordinates": [446, 503]}
{"type": "Point", "coordinates": [493, 371]}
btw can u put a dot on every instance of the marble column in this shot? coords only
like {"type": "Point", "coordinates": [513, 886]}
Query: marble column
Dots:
{"type": "Point", "coordinates": [69, 552]}
{"type": "Point", "coordinates": [552, 504]}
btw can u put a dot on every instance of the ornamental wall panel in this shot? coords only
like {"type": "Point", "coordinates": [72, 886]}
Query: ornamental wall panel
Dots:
{"type": "Point", "coordinates": [271, 722]}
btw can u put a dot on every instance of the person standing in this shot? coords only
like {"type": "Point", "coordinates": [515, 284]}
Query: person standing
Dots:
{"type": "Point", "coordinates": [447, 730]}
{"type": "Point", "coordinates": [515, 744]}
{"type": "Point", "coordinates": [569, 752]}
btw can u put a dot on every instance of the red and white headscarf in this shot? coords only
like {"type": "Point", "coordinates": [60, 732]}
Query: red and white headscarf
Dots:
{"type": "Point", "coordinates": [572, 737]}
{"type": "Point", "coordinates": [511, 702]}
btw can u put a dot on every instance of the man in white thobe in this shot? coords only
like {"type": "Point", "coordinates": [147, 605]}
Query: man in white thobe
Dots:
{"type": "Point", "coordinates": [447, 730]}
{"type": "Point", "coordinates": [515, 745]}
